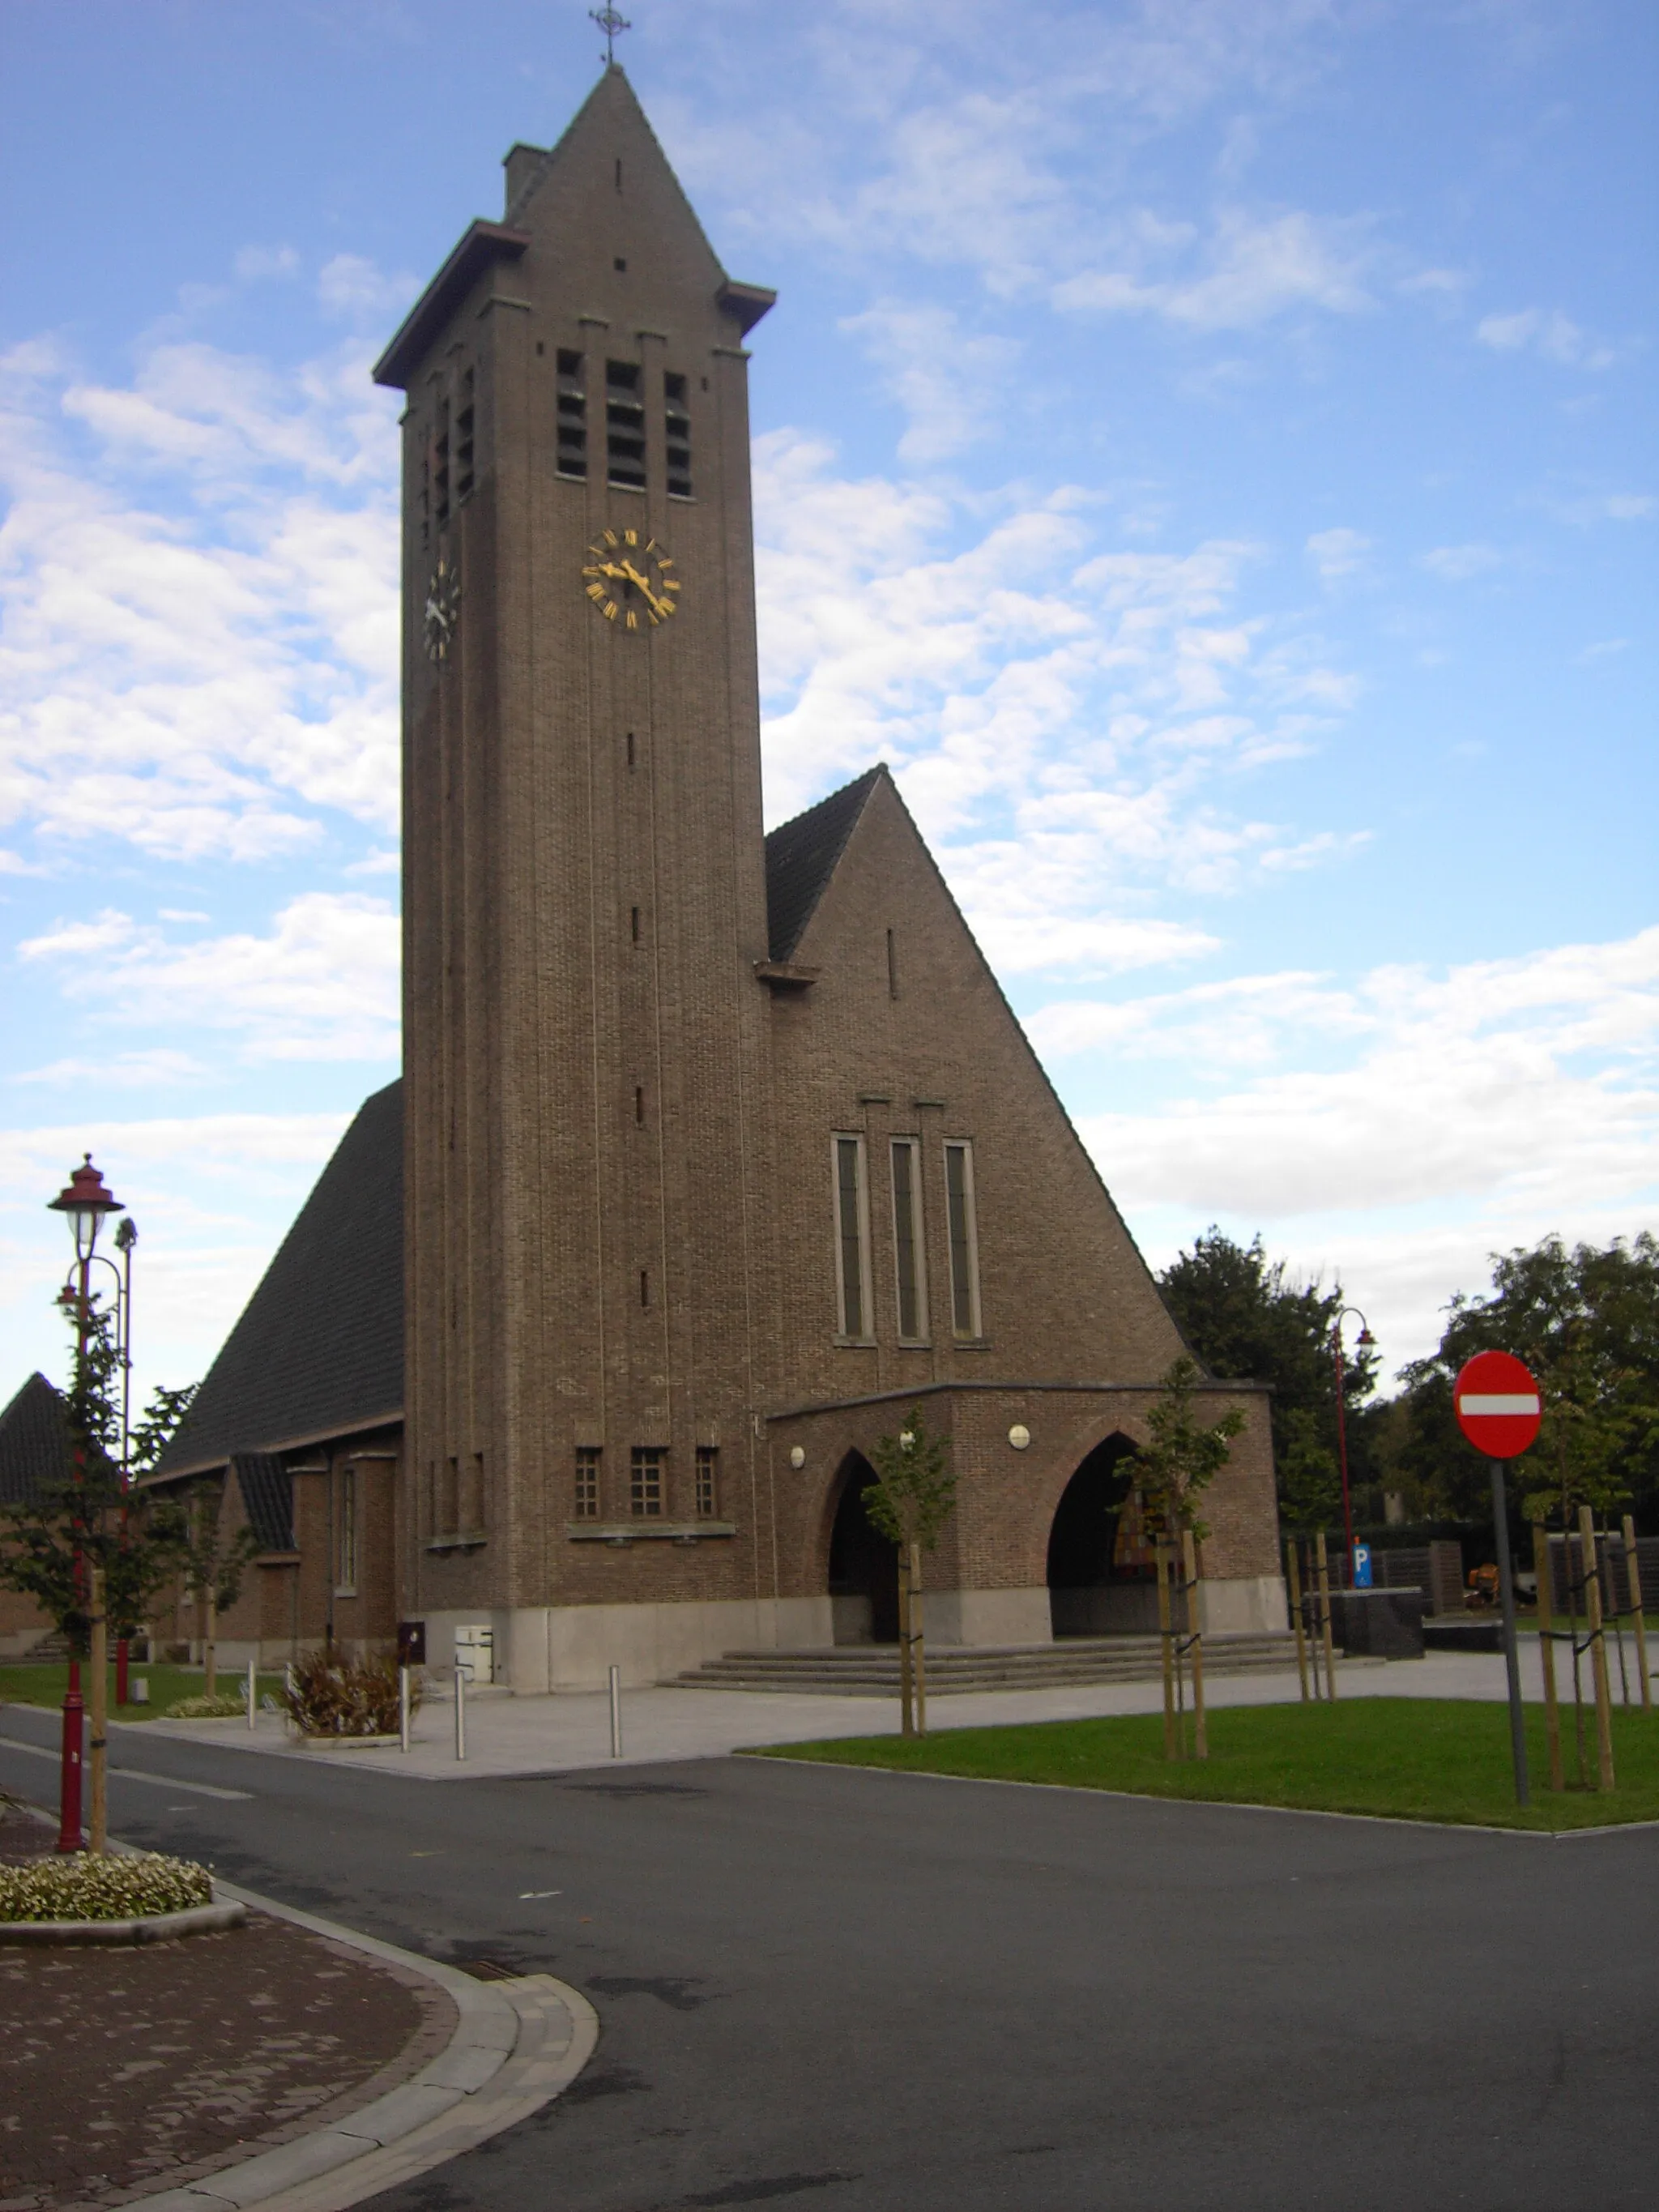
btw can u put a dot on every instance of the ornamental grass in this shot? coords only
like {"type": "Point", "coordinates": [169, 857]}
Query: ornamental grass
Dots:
{"type": "Point", "coordinates": [83, 1887]}
{"type": "Point", "coordinates": [328, 1696]}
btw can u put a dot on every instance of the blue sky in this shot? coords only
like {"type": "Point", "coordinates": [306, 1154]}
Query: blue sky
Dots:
{"type": "Point", "coordinates": [1207, 449]}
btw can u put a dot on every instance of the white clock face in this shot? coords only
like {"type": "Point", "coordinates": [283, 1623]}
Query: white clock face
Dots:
{"type": "Point", "coordinates": [443, 611]}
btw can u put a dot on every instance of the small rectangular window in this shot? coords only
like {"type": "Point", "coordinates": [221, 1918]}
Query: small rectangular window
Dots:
{"type": "Point", "coordinates": [708, 1482]}
{"type": "Point", "coordinates": [571, 454]}
{"type": "Point", "coordinates": [965, 1239]}
{"type": "Point", "coordinates": [908, 1250]}
{"type": "Point", "coordinates": [585, 1504]}
{"type": "Point", "coordinates": [624, 417]}
{"type": "Point", "coordinates": [852, 1240]}
{"type": "Point", "coordinates": [644, 1482]}
{"type": "Point", "coordinates": [345, 1561]}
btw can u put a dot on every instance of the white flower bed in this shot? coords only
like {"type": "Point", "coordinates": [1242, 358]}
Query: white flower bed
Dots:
{"type": "Point", "coordinates": [224, 1705]}
{"type": "Point", "coordinates": [82, 1886]}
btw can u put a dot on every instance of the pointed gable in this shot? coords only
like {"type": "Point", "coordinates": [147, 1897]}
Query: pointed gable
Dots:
{"type": "Point", "coordinates": [320, 1349]}
{"type": "Point", "coordinates": [801, 856]}
{"type": "Point", "coordinates": [34, 1442]}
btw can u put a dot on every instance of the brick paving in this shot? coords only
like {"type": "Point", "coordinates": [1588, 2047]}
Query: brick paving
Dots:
{"type": "Point", "coordinates": [126, 2071]}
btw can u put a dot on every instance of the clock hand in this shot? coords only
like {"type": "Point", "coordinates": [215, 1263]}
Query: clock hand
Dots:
{"type": "Point", "coordinates": [633, 573]}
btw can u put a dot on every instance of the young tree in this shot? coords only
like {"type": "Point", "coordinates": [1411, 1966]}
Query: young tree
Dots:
{"type": "Point", "coordinates": [86, 1551]}
{"type": "Point", "coordinates": [215, 1562]}
{"type": "Point", "coordinates": [1182, 1459]}
{"type": "Point", "coordinates": [908, 1502]}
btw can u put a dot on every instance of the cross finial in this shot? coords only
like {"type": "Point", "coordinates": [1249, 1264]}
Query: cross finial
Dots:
{"type": "Point", "coordinates": [609, 23]}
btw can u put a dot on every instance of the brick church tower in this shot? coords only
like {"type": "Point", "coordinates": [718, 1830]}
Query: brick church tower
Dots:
{"type": "Point", "coordinates": [587, 1168]}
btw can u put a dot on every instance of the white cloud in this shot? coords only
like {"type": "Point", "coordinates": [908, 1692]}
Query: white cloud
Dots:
{"type": "Point", "coordinates": [1457, 564]}
{"type": "Point", "coordinates": [356, 290]}
{"type": "Point", "coordinates": [198, 586]}
{"type": "Point", "coordinates": [1528, 1084]}
{"type": "Point", "coordinates": [322, 986]}
{"type": "Point", "coordinates": [257, 264]}
{"type": "Point", "coordinates": [948, 383]}
{"type": "Point", "coordinates": [1338, 553]}
{"type": "Point", "coordinates": [1552, 336]}
{"type": "Point", "coordinates": [1066, 721]}
{"type": "Point", "coordinates": [1253, 268]}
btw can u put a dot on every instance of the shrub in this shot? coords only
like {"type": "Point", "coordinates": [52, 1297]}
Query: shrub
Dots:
{"type": "Point", "coordinates": [333, 1696]}
{"type": "Point", "coordinates": [227, 1705]}
{"type": "Point", "coordinates": [85, 1887]}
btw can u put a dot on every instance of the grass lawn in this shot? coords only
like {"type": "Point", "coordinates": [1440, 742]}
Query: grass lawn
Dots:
{"type": "Point", "coordinates": [45, 1685]}
{"type": "Point", "coordinates": [1414, 1758]}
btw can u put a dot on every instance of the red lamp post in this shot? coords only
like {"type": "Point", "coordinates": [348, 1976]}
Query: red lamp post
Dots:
{"type": "Point", "coordinates": [1364, 1342]}
{"type": "Point", "coordinates": [84, 1201]}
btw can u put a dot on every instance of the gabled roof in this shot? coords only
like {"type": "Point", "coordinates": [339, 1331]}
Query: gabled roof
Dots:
{"type": "Point", "coordinates": [320, 1349]}
{"type": "Point", "coordinates": [801, 857]}
{"type": "Point", "coordinates": [267, 1498]}
{"type": "Point", "coordinates": [34, 1442]}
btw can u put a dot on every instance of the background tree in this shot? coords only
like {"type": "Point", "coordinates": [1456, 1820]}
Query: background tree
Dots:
{"type": "Point", "coordinates": [908, 1502]}
{"type": "Point", "coordinates": [1586, 1321]}
{"type": "Point", "coordinates": [84, 1518]}
{"type": "Point", "coordinates": [1247, 1319]}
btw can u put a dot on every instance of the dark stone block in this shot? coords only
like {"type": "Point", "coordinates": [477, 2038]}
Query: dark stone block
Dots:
{"type": "Point", "coordinates": [1378, 1624]}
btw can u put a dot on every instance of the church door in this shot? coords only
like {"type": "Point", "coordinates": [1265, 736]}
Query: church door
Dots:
{"type": "Point", "coordinates": [863, 1565]}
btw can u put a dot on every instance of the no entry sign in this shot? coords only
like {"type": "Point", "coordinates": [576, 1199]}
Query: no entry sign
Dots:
{"type": "Point", "coordinates": [1497, 1406]}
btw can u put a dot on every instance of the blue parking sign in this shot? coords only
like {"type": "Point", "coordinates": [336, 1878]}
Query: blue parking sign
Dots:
{"type": "Point", "coordinates": [1362, 1566]}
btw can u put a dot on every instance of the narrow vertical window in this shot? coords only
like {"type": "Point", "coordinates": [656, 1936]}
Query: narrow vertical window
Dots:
{"type": "Point", "coordinates": [571, 398]}
{"type": "Point", "coordinates": [633, 923]}
{"type": "Point", "coordinates": [464, 439]}
{"type": "Point", "coordinates": [677, 427]}
{"type": "Point", "coordinates": [625, 418]}
{"type": "Point", "coordinates": [639, 1103]}
{"type": "Point", "coordinates": [631, 749]}
{"type": "Point", "coordinates": [441, 463]}
{"type": "Point", "coordinates": [644, 1482]}
{"type": "Point", "coordinates": [852, 1238]}
{"type": "Point", "coordinates": [908, 1250]}
{"type": "Point", "coordinates": [965, 1239]}
{"type": "Point", "coordinates": [645, 1286]}
{"type": "Point", "coordinates": [708, 1482]}
{"type": "Point", "coordinates": [345, 1576]}
{"type": "Point", "coordinates": [892, 966]}
{"type": "Point", "coordinates": [585, 1504]}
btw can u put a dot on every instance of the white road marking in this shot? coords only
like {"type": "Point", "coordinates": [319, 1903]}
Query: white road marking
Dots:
{"type": "Point", "coordinates": [129, 1773]}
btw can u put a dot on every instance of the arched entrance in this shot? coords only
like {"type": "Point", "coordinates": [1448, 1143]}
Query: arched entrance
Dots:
{"type": "Point", "coordinates": [863, 1565]}
{"type": "Point", "coordinates": [1101, 1579]}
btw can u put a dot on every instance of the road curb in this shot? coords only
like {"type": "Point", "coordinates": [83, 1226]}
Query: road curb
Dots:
{"type": "Point", "coordinates": [518, 2044]}
{"type": "Point", "coordinates": [148, 1928]}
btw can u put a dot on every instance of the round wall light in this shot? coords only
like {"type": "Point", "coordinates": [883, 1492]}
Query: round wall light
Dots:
{"type": "Point", "coordinates": [798, 1455]}
{"type": "Point", "coordinates": [1019, 1436]}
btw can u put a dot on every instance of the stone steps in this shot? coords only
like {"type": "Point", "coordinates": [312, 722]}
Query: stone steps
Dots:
{"type": "Point", "coordinates": [865, 1670]}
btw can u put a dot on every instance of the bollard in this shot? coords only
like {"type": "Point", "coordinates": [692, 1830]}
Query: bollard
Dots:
{"type": "Point", "coordinates": [616, 1713]}
{"type": "Point", "coordinates": [460, 1710]}
{"type": "Point", "coordinates": [403, 1707]}
{"type": "Point", "coordinates": [253, 1691]}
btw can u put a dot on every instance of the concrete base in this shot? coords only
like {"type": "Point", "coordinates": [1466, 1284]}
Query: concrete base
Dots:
{"type": "Point", "coordinates": [993, 1616]}
{"type": "Point", "coordinates": [1109, 1609]}
{"type": "Point", "coordinates": [573, 1647]}
{"type": "Point", "coordinates": [1244, 1606]}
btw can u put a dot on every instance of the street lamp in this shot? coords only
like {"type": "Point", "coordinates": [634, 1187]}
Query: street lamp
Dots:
{"type": "Point", "coordinates": [83, 1201]}
{"type": "Point", "coordinates": [1364, 1342]}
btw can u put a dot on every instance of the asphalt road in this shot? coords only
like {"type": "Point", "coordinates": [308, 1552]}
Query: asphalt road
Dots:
{"type": "Point", "coordinates": [881, 1993]}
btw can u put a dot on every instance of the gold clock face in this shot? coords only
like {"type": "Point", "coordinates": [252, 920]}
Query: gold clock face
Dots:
{"type": "Point", "coordinates": [631, 581]}
{"type": "Point", "coordinates": [442, 612]}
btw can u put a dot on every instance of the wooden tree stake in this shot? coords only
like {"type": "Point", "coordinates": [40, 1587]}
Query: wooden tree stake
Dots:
{"type": "Point", "coordinates": [1598, 1649]}
{"type": "Point", "coordinates": [918, 1646]}
{"type": "Point", "coordinates": [1195, 1638]}
{"type": "Point", "coordinates": [1633, 1575]}
{"type": "Point", "coordinates": [1165, 1636]}
{"type": "Point", "coordinates": [1293, 1581]}
{"type": "Point", "coordinates": [907, 1704]}
{"type": "Point", "coordinates": [1540, 1559]}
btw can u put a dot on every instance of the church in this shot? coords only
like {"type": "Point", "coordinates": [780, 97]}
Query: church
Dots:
{"type": "Point", "coordinates": [715, 1152]}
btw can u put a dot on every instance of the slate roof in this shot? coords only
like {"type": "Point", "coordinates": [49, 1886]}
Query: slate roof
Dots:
{"type": "Point", "coordinates": [267, 1498]}
{"type": "Point", "coordinates": [320, 1349]}
{"type": "Point", "coordinates": [34, 1442]}
{"type": "Point", "coordinates": [801, 857]}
